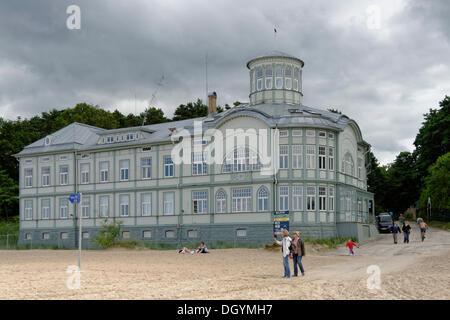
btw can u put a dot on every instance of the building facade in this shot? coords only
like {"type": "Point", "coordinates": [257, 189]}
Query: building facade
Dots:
{"type": "Point", "coordinates": [226, 188]}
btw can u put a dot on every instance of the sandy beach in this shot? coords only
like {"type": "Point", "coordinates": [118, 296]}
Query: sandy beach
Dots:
{"type": "Point", "coordinates": [418, 270]}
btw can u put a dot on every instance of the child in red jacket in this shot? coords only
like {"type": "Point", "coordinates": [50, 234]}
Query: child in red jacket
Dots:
{"type": "Point", "coordinates": [350, 244]}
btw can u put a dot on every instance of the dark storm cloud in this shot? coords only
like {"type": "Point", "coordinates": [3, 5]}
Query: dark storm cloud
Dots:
{"type": "Point", "coordinates": [385, 78]}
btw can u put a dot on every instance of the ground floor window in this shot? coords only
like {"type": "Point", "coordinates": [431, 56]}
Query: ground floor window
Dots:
{"type": "Point", "coordinates": [242, 200]}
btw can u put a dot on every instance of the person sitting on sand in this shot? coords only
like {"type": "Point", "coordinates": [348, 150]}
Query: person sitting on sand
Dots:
{"type": "Point", "coordinates": [186, 250]}
{"type": "Point", "coordinates": [350, 244]}
{"type": "Point", "coordinates": [202, 248]}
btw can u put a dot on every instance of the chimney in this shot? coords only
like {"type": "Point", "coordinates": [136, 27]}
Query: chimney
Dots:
{"type": "Point", "coordinates": [212, 97]}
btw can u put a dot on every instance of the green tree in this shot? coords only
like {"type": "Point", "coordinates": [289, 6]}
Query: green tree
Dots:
{"type": "Point", "coordinates": [190, 110]}
{"type": "Point", "coordinates": [437, 185]}
{"type": "Point", "coordinates": [9, 195]}
{"type": "Point", "coordinates": [334, 110]}
{"type": "Point", "coordinates": [433, 139]}
{"type": "Point", "coordinates": [376, 183]}
{"type": "Point", "coordinates": [153, 116]}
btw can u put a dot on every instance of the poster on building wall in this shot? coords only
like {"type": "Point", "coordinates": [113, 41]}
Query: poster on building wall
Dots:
{"type": "Point", "coordinates": [280, 221]}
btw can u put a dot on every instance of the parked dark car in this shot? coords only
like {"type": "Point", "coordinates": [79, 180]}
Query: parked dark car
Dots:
{"type": "Point", "coordinates": [384, 222]}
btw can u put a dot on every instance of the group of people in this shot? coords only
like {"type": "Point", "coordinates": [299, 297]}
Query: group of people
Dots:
{"type": "Point", "coordinates": [201, 249]}
{"type": "Point", "coordinates": [406, 228]}
{"type": "Point", "coordinates": [294, 249]}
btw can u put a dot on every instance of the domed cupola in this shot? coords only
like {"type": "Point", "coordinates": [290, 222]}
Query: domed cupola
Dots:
{"type": "Point", "coordinates": [276, 78]}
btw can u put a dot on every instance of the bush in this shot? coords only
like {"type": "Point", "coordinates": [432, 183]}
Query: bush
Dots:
{"type": "Point", "coordinates": [109, 235]}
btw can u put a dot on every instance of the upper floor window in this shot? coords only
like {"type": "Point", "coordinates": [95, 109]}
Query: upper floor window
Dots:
{"type": "Point", "coordinates": [168, 167]}
{"type": "Point", "coordinates": [124, 201]}
{"type": "Point", "coordinates": [84, 168]}
{"type": "Point", "coordinates": [199, 165]}
{"type": "Point", "coordinates": [331, 198]}
{"type": "Point", "coordinates": [269, 79]}
{"type": "Point", "coordinates": [331, 158]}
{"type": "Point", "coordinates": [28, 173]}
{"type": "Point", "coordinates": [168, 203]}
{"type": "Point", "coordinates": [200, 201]}
{"type": "Point", "coordinates": [322, 134]}
{"type": "Point", "coordinates": [259, 78]}
{"type": "Point", "coordinates": [288, 77]}
{"type": "Point", "coordinates": [284, 156]}
{"type": "Point", "coordinates": [146, 165]}
{"type": "Point", "coordinates": [311, 198]}
{"type": "Point", "coordinates": [64, 175]}
{"type": "Point", "coordinates": [124, 166]}
{"type": "Point", "coordinates": [146, 204]}
{"type": "Point", "coordinates": [297, 197]}
{"type": "Point", "coordinates": [322, 198]}
{"type": "Point", "coordinates": [241, 200]}
{"type": "Point", "coordinates": [263, 199]}
{"type": "Point", "coordinates": [322, 157]}
{"type": "Point", "coordinates": [104, 171]}
{"type": "Point", "coordinates": [310, 157]}
{"type": "Point", "coordinates": [284, 198]}
{"type": "Point", "coordinates": [28, 211]}
{"type": "Point", "coordinates": [296, 77]}
{"type": "Point", "coordinates": [241, 159]}
{"type": "Point", "coordinates": [296, 133]}
{"type": "Point", "coordinates": [278, 77]}
{"type": "Point", "coordinates": [310, 133]}
{"type": "Point", "coordinates": [45, 212]}
{"type": "Point", "coordinates": [297, 160]}
{"type": "Point", "coordinates": [221, 201]}
{"type": "Point", "coordinates": [284, 133]}
{"type": "Point", "coordinates": [45, 176]}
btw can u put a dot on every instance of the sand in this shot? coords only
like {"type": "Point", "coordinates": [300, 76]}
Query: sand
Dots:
{"type": "Point", "coordinates": [408, 271]}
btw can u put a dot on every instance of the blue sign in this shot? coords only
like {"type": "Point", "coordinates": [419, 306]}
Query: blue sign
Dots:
{"type": "Point", "coordinates": [75, 198]}
{"type": "Point", "coordinates": [280, 221]}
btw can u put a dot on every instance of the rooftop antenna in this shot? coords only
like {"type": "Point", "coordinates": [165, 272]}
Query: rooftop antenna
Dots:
{"type": "Point", "coordinates": [159, 84]}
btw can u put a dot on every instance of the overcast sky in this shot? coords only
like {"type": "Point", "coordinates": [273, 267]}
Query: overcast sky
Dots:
{"type": "Point", "coordinates": [385, 73]}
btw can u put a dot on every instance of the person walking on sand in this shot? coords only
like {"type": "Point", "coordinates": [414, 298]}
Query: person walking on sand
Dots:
{"type": "Point", "coordinates": [395, 231]}
{"type": "Point", "coordinates": [285, 251]}
{"type": "Point", "coordinates": [423, 228]}
{"type": "Point", "coordinates": [406, 230]}
{"type": "Point", "coordinates": [350, 244]}
{"type": "Point", "coordinates": [298, 248]}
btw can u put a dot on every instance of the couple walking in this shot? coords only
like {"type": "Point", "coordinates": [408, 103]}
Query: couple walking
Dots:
{"type": "Point", "coordinates": [294, 248]}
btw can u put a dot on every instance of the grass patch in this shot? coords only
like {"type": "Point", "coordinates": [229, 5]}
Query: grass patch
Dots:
{"type": "Point", "coordinates": [331, 243]}
{"type": "Point", "coordinates": [440, 224]}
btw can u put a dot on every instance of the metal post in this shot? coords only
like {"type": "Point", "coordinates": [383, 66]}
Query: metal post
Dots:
{"type": "Point", "coordinates": [7, 239]}
{"type": "Point", "coordinates": [80, 218]}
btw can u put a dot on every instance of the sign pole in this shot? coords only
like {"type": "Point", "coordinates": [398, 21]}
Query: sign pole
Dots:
{"type": "Point", "coordinates": [80, 218]}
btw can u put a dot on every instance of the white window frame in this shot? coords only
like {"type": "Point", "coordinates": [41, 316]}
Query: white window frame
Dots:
{"type": "Point", "coordinates": [297, 133]}
{"type": "Point", "coordinates": [269, 77]}
{"type": "Point", "coordinates": [297, 156]}
{"type": "Point", "coordinates": [221, 201]}
{"type": "Point", "coordinates": [241, 199]}
{"type": "Point", "coordinates": [45, 209]}
{"type": "Point", "coordinates": [146, 204]}
{"type": "Point", "coordinates": [169, 169]}
{"type": "Point", "coordinates": [28, 210]}
{"type": "Point", "coordinates": [63, 176]}
{"type": "Point", "coordinates": [288, 77]}
{"type": "Point", "coordinates": [199, 201]}
{"type": "Point", "coordinates": [311, 198]}
{"type": "Point", "coordinates": [104, 206]}
{"type": "Point", "coordinates": [84, 173]}
{"type": "Point", "coordinates": [28, 177]}
{"type": "Point", "coordinates": [199, 163]}
{"type": "Point", "coordinates": [278, 77]}
{"type": "Point", "coordinates": [104, 173]}
{"type": "Point", "coordinates": [168, 203]}
{"type": "Point", "coordinates": [263, 199]}
{"type": "Point", "coordinates": [86, 206]}
{"type": "Point", "coordinates": [284, 156]}
{"type": "Point", "coordinates": [45, 177]}
{"type": "Point", "coordinates": [297, 197]}
{"type": "Point", "coordinates": [124, 169]}
{"type": "Point", "coordinates": [146, 168]}
{"type": "Point", "coordinates": [310, 133]}
{"type": "Point", "coordinates": [283, 203]}
{"type": "Point", "coordinates": [296, 79]}
{"type": "Point", "coordinates": [322, 157]}
{"type": "Point", "coordinates": [310, 156]}
{"type": "Point", "coordinates": [331, 198]}
{"type": "Point", "coordinates": [124, 204]}
{"type": "Point", "coordinates": [322, 198]}
{"type": "Point", "coordinates": [331, 158]}
{"type": "Point", "coordinates": [63, 208]}
{"type": "Point", "coordinates": [259, 78]}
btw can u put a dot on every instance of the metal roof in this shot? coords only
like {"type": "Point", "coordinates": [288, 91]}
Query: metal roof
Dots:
{"type": "Point", "coordinates": [81, 137]}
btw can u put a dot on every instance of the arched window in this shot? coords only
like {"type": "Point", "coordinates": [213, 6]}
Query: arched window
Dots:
{"type": "Point", "coordinates": [278, 77]}
{"type": "Point", "coordinates": [241, 159]}
{"type": "Point", "coordinates": [347, 164]}
{"type": "Point", "coordinates": [296, 73]}
{"type": "Point", "coordinates": [269, 79]}
{"type": "Point", "coordinates": [263, 199]}
{"type": "Point", "coordinates": [259, 78]}
{"type": "Point", "coordinates": [221, 201]}
{"type": "Point", "coordinates": [288, 77]}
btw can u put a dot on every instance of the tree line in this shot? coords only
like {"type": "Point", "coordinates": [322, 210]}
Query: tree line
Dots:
{"type": "Point", "coordinates": [408, 181]}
